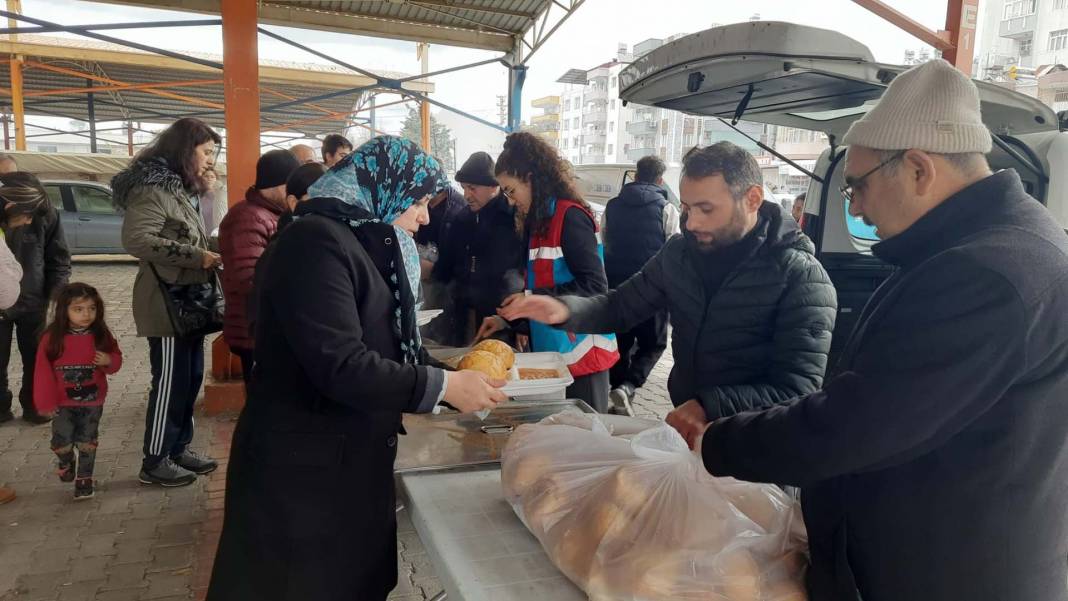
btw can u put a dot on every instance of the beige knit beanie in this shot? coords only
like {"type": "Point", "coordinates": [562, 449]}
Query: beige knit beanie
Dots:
{"type": "Point", "coordinates": [931, 107]}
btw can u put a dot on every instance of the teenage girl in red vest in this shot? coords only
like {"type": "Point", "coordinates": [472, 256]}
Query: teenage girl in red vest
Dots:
{"type": "Point", "coordinates": [565, 257]}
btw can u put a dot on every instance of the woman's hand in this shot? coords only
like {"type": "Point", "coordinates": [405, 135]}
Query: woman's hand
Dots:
{"type": "Point", "coordinates": [471, 391]}
{"type": "Point", "coordinates": [490, 326]}
{"type": "Point", "coordinates": [210, 260]}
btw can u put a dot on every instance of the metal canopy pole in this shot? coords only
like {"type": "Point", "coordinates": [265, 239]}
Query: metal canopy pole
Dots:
{"type": "Point", "coordinates": [424, 106]}
{"type": "Point", "coordinates": [92, 116]}
{"type": "Point", "coordinates": [517, 75]}
{"type": "Point", "coordinates": [241, 93]}
{"type": "Point", "coordinates": [961, 19]}
{"type": "Point", "coordinates": [17, 106]}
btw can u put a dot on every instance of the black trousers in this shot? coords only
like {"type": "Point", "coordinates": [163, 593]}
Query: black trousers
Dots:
{"type": "Point", "coordinates": [592, 388]}
{"type": "Point", "coordinates": [639, 350]}
{"type": "Point", "coordinates": [246, 356]}
{"type": "Point", "coordinates": [26, 330]}
{"type": "Point", "coordinates": [177, 374]}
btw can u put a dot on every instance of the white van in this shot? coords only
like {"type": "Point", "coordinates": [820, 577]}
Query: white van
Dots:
{"type": "Point", "coordinates": [816, 79]}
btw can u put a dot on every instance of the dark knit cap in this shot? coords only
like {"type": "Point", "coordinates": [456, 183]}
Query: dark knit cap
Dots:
{"type": "Point", "coordinates": [477, 170]}
{"type": "Point", "coordinates": [274, 168]}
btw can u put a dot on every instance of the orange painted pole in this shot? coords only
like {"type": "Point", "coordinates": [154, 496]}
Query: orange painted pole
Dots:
{"type": "Point", "coordinates": [241, 94]}
{"type": "Point", "coordinates": [17, 106]}
{"type": "Point", "coordinates": [424, 107]}
{"type": "Point", "coordinates": [961, 19]}
{"type": "Point", "coordinates": [907, 24]}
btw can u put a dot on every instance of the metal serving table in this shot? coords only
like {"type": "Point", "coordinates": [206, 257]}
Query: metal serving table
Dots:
{"type": "Point", "coordinates": [448, 466]}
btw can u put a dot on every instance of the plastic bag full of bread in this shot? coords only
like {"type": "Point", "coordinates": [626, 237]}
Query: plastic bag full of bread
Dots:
{"type": "Point", "coordinates": [628, 513]}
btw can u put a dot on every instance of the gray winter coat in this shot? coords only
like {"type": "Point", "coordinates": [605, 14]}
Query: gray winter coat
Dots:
{"type": "Point", "coordinates": [163, 228]}
{"type": "Point", "coordinates": [761, 339]}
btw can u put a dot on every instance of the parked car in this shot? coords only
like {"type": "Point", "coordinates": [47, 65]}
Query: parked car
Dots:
{"type": "Point", "coordinates": [821, 80]}
{"type": "Point", "coordinates": [91, 224]}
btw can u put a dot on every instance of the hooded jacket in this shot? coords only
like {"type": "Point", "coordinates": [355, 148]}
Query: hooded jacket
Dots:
{"type": "Point", "coordinates": [163, 228]}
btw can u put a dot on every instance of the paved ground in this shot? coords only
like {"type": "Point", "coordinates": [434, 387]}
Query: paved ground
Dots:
{"type": "Point", "coordinates": [133, 542]}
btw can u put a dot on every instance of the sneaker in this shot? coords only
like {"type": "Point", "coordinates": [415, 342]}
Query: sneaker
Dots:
{"type": "Point", "coordinates": [620, 398]}
{"type": "Point", "coordinates": [7, 495]}
{"type": "Point", "coordinates": [35, 418]}
{"type": "Point", "coordinates": [193, 462]}
{"type": "Point", "coordinates": [167, 473]}
{"type": "Point", "coordinates": [65, 471]}
{"type": "Point", "coordinates": [83, 489]}
{"type": "Point", "coordinates": [6, 416]}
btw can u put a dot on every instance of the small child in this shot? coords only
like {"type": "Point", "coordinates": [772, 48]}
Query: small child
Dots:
{"type": "Point", "coordinates": [76, 354]}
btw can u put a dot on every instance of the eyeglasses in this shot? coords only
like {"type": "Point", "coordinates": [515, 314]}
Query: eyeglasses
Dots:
{"type": "Point", "coordinates": [847, 189]}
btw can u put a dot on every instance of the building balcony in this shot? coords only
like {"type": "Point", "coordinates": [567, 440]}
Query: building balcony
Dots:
{"type": "Point", "coordinates": [641, 128]}
{"type": "Point", "coordinates": [546, 102]}
{"type": "Point", "coordinates": [595, 116]}
{"type": "Point", "coordinates": [634, 154]}
{"type": "Point", "coordinates": [596, 92]}
{"type": "Point", "coordinates": [594, 137]}
{"type": "Point", "coordinates": [1018, 27]}
{"type": "Point", "coordinates": [546, 119]}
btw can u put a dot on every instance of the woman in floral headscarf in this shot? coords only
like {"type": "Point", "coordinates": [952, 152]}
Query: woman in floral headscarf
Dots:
{"type": "Point", "coordinates": [310, 508]}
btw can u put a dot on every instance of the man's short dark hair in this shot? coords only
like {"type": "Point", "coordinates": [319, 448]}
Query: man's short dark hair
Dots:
{"type": "Point", "coordinates": [650, 169]}
{"type": "Point", "coordinates": [738, 168]}
{"type": "Point", "coordinates": [801, 197]}
{"type": "Point", "coordinates": [333, 143]}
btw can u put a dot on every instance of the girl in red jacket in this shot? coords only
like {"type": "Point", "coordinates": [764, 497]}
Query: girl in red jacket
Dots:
{"type": "Point", "coordinates": [76, 355]}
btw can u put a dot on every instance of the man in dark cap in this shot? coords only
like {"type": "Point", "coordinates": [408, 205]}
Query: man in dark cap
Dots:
{"type": "Point", "coordinates": [243, 236]}
{"type": "Point", "coordinates": [482, 258]}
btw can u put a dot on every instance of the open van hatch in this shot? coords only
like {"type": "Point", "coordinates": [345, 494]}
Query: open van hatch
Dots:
{"type": "Point", "coordinates": [792, 75]}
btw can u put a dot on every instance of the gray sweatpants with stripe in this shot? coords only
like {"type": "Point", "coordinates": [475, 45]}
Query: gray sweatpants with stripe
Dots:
{"type": "Point", "coordinates": [177, 374]}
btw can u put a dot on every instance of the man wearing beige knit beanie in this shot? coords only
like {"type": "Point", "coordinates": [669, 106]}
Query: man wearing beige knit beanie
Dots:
{"type": "Point", "coordinates": [934, 462]}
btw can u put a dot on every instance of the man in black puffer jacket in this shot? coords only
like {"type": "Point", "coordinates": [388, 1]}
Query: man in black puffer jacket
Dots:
{"type": "Point", "coordinates": [752, 310]}
{"type": "Point", "coordinates": [635, 226]}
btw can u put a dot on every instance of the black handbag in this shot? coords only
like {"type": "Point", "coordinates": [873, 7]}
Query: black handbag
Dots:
{"type": "Point", "coordinates": [195, 310]}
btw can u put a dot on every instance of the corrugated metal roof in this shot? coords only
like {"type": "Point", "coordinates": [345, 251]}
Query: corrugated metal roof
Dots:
{"type": "Point", "coordinates": [486, 24]}
{"type": "Point", "coordinates": [284, 81]}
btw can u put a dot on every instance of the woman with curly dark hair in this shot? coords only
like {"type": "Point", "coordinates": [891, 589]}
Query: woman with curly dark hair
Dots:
{"type": "Point", "coordinates": [565, 257]}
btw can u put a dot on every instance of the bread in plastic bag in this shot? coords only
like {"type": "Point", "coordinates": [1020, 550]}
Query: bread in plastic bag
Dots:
{"type": "Point", "coordinates": [628, 513]}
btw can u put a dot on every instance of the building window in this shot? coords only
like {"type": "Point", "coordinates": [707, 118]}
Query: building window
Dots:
{"type": "Point", "coordinates": [1058, 40]}
{"type": "Point", "coordinates": [615, 81]}
{"type": "Point", "coordinates": [1025, 46]}
{"type": "Point", "coordinates": [565, 143]}
{"type": "Point", "coordinates": [1060, 4]}
{"type": "Point", "coordinates": [1060, 97]}
{"type": "Point", "coordinates": [575, 123]}
{"type": "Point", "coordinates": [1019, 8]}
{"type": "Point", "coordinates": [611, 126]}
{"type": "Point", "coordinates": [611, 149]}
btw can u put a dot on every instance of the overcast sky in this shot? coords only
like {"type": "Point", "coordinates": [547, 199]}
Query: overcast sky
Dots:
{"type": "Point", "coordinates": [589, 38]}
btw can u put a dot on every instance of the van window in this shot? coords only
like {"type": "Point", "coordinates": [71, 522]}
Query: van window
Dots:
{"type": "Point", "coordinates": [857, 227]}
{"type": "Point", "coordinates": [55, 196]}
{"type": "Point", "coordinates": [90, 199]}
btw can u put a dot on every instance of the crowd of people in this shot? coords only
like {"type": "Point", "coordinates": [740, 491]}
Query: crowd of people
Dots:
{"type": "Point", "coordinates": [931, 460]}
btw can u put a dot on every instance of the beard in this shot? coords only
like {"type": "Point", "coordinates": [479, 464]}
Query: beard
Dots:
{"type": "Point", "coordinates": [717, 239]}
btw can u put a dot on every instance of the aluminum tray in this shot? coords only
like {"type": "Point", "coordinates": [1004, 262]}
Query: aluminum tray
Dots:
{"type": "Point", "coordinates": [451, 439]}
